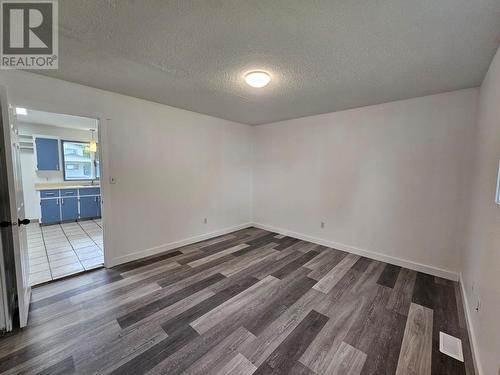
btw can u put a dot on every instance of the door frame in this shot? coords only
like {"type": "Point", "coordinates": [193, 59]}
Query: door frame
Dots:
{"type": "Point", "coordinates": [103, 124]}
{"type": "Point", "coordinates": [14, 255]}
{"type": "Point", "coordinates": [8, 286]}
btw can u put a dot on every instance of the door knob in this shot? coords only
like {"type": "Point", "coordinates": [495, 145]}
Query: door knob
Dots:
{"type": "Point", "coordinates": [23, 222]}
{"type": "Point", "coordinates": [5, 224]}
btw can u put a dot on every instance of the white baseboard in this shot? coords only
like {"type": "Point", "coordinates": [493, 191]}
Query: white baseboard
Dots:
{"type": "Point", "coordinates": [172, 245]}
{"type": "Point", "coordinates": [435, 271]}
{"type": "Point", "coordinates": [470, 328]}
{"type": "Point", "coordinates": [350, 249]}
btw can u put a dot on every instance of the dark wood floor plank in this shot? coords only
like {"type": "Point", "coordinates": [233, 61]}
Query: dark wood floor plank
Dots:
{"type": "Point", "coordinates": [321, 351]}
{"type": "Point", "coordinates": [248, 260]}
{"type": "Point", "coordinates": [250, 268]}
{"type": "Point", "coordinates": [219, 246]}
{"type": "Point", "coordinates": [251, 298]}
{"type": "Point", "coordinates": [367, 328]}
{"type": "Point", "coordinates": [72, 292]}
{"type": "Point", "coordinates": [424, 291]}
{"type": "Point", "coordinates": [361, 264]}
{"type": "Point", "coordinates": [65, 367]}
{"type": "Point", "coordinates": [289, 351]}
{"type": "Point", "coordinates": [219, 357]}
{"type": "Point", "coordinates": [331, 259]}
{"type": "Point", "coordinates": [51, 289]}
{"type": "Point", "coordinates": [286, 242]}
{"type": "Point", "coordinates": [445, 319]}
{"type": "Point", "coordinates": [215, 256]}
{"type": "Point", "coordinates": [294, 288]}
{"type": "Point", "coordinates": [347, 361]}
{"type": "Point", "coordinates": [275, 263]}
{"type": "Point", "coordinates": [238, 365]}
{"type": "Point", "coordinates": [140, 263]}
{"type": "Point", "coordinates": [263, 240]}
{"type": "Point", "coordinates": [383, 355]}
{"type": "Point", "coordinates": [299, 369]}
{"type": "Point", "coordinates": [149, 309]}
{"type": "Point", "coordinates": [183, 319]}
{"type": "Point", "coordinates": [389, 276]}
{"type": "Point", "coordinates": [336, 273]}
{"type": "Point", "coordinates": [260, 348]}
{"type": "Point", "coordinates": [402, 293]}
{"type": "Point", "coordinates": [151, 357]}
{"type": "Point", "coordinates": [292, 266]}
{"type": "Point", "coordinates": [203, 344]}
{"type": "Point", "coordinates": [184, 273]}
{"type": "Point", "coordinates": [119, 349]}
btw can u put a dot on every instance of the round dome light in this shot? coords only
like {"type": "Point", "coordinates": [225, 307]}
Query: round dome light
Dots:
{"type": "Point", "coordinates": [257, 79]}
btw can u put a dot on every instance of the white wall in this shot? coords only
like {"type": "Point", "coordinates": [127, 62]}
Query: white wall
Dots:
{"type": "Point", "coordinates": [481, 259]}
{"type": "Point", "coordinates": [172, 167]}
{"type": "Point", "coordinates": [30, 175]}
{"type": "Point", "coordinates": [388, 179]}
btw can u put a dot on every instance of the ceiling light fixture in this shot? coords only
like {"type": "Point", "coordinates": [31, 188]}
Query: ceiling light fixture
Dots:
{"type": "Point", "coordinates": [257, 79]}
{"type": "Point", "coordinates": [21, 111]}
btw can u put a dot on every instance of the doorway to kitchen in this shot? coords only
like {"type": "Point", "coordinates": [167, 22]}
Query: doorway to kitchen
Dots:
{"type": "Point", "coordinates": [60, 168]}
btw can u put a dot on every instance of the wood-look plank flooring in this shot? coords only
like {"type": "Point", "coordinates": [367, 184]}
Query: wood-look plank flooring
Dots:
{"type": "Point", "coordinates": [250, 302]}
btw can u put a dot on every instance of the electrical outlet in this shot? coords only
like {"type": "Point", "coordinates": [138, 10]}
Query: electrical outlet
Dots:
{"type": "Point", "coordinates": [205, 220]}
{"type": "Point", "coordinates": [322, 224]}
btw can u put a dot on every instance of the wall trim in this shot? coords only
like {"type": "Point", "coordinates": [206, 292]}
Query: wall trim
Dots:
{"type": "Point", "coordinates": [435, 271]}
{"type": "Point", "coordinates": [172, 245]}
{"type": "Point", "coordinates": [470, 329]}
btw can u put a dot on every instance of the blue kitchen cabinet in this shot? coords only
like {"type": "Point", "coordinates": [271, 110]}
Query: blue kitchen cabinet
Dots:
{"type": "Point", "coordinates": [50, 211]}
{"type": "Point", "coordinates": [88, 207]}
{"type": "Point", "coordinates": [69, 208]}
{"type": "Point", "coordinates": [89, 191]}
{"type": "Point", "coordinates": [47, 154]}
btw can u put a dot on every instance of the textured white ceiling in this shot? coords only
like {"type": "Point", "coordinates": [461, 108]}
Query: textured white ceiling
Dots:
{"type": "Point", "coordinates": [324, 55]}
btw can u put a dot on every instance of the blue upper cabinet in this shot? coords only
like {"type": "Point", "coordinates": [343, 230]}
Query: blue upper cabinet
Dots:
{"type": "Point", "coordinates": [47, 154]}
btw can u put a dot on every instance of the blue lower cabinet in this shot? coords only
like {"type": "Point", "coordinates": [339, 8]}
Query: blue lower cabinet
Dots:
{"type": "Point", "coordinates": [69, 208]}
{"type": "Point", "coordinates": [50, 211]}
{"type": "Point", "coordinates": [88, 207]}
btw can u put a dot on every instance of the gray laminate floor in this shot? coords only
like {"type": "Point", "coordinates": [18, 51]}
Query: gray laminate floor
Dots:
{"type": "Point", "coordinates": [250, 302]}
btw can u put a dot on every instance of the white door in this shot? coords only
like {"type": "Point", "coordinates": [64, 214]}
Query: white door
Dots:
{"type": "Point", "coordinates": [16, 201]}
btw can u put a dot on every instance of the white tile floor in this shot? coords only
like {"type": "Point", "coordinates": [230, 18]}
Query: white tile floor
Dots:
{"type": "Point", "coordinates": [60, 250]}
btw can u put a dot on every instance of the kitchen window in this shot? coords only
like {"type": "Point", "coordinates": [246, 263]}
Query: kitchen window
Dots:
{"type": "Point", "coordinates": [79, 162]}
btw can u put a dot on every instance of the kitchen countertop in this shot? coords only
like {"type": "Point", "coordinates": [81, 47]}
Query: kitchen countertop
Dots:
{"type": "Point", "coordinates": [64, 185]}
